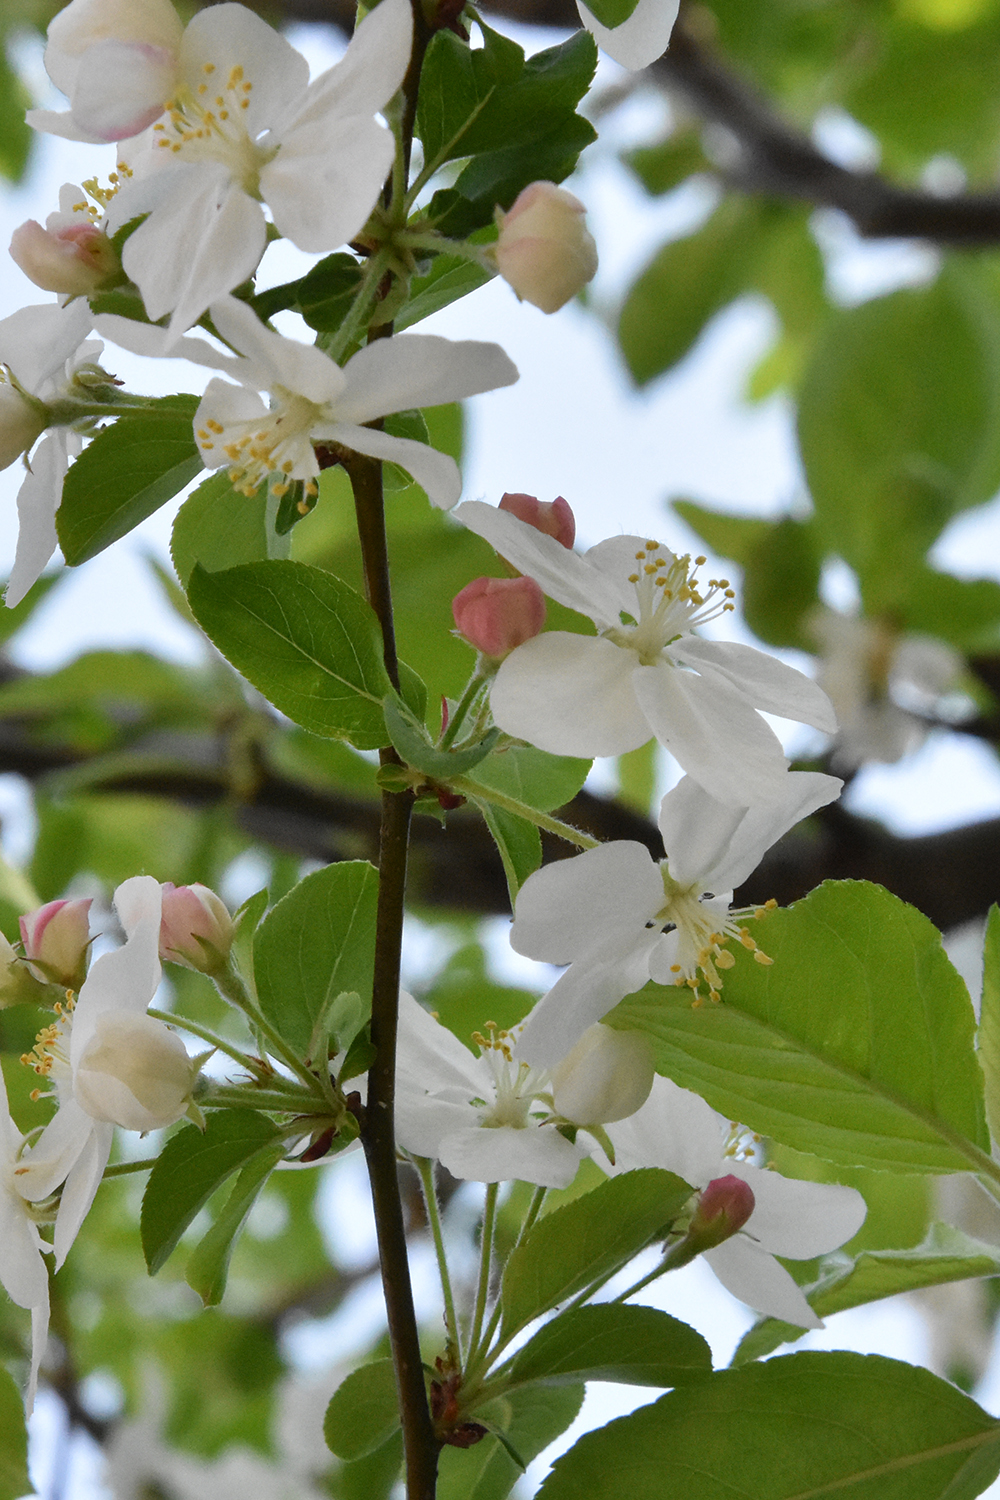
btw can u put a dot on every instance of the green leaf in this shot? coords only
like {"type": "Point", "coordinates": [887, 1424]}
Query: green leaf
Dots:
{"type": "Point", "coordinates": [886, 474]}
{"type": "Point", "coordinates": [323, 296]}
{"type": "Point", "coordinates": [11, 620]}
{"type": "Point", "coordinates": [304, 639]}
{"type": "Point", "coordinates": [530, 1420]}
{"type": "Point", "coordinates": [613, 1341]}
{"type": "Point", "coordinates": [245, 923]}
{"type": "Point", "coordinates": [988, 1038]}
{"type": "Point", "coordinates": [855, 1044]}
{"type": "Point", "coordinates": [945, 1255]}
{"type": "Point", "coordinates": [191, 1166]}
{"type": "Point", "coordinates": [125, 474]}
{"type": "Point", "coordinates": [14, 1481]}
{"type": "Point", "coordinates": [449, 278]}
{"type": "Point", "coordinates": [586, 1240]}
{"type": "Point", "coordinates": [218, 528]}
{"type": "Point", "coordinates": [208, 1264]}
{"type": "Point", "coordinates": [411, 740]}
{"type": "Point", "coordinates": [363, 1412]}
{"type": "Point", "coordinates": [801, 1426]}
{"type": "Point", "coordinates": [518, 842]}
{"type": "Point", "coordinates": [543, 781]}
{"type": "Point", "coordinates": [963, 611]}
{"type": "Point", "coordinates": [16, 136]}
{"type": "Point", "coordinates": [314, 944]}
{"type": "Point", "coordinates": [665, 165]}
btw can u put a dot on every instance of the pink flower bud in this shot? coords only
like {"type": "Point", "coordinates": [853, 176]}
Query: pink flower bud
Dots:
{"type": "Point", "coordinates": [196, 929]}
{"type": "Point", "coordinates": [76, 258]}
{"type": "Point", "coordinates": [607, 1076]}
{"type": "Point", "coordinates": [724, 1206]}
{"type": "Point", "coordinates": [545, 251]}
{"type": "Point", "coordinates": [553, 517]}
{"type": "Point", "coordinates": [497, 614]}
{"type": "Point", "coordinates": [56, 939]}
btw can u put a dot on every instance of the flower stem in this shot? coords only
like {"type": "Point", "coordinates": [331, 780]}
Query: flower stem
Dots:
{"type": "Point", "coordinates": [232, 988]}
{"type": "Point", "coordinates": [425, 1168]}
{"type": "Point", "coordinates": [477, 793]}
{"type": "Point", "coordinates": [213, 1040]}
{"type": "Point", "coordinates": [484, 1360]}
{"type": "Point", "coordinates": [485, 1269]}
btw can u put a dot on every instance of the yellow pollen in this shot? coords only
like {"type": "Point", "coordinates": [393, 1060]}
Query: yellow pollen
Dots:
{"type": "Point", "coordinates": [312, 488]}
{"type": "Point", "coordinates": [762, 959]}
{"type": "Point", "coordinates": [302, 508]}
{"type": "Point", "coordinates": [700, 562]}
{"type": "Point", "coordinates": [208, 67]}
{"type": "Point", "coordinates": [640, 556]}
{"type": "Point", "coordinates": [633, 578]}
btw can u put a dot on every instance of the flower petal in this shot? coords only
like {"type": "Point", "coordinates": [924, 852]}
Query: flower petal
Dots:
{"type": "Point", "coordinates": [123, 88]}
{"type": "Point", "coordinates": [536, 1154]}
{"type": "Point", "coordinates": [570, 694]}
{"type": "Point", "coordinates": [370, 71]}
{"type": "Point", "coordinates": [37, 341]}
{"type": "Point", "coordinates": [37, 502]}
{"type": "Point", "coordinates": [435, 472]}
{"type": "Point", "coordinates": [800, 1219]}
{"type": "Point", "coordinates": [675, 1129]}
{"type": "Point", "coordinates": [757, 1279]}
{"type": "Point", "coordinates": [419, 369]}
{"type": "Point", "coordinates": [763, 824]}
{"type": "Point", "coordinates": [230, 37]}
{"type": "Point", "coordinates": [641, 39]}
{"type": "Point", "coordinates": [586, 992]}
{"type": "Point", "coordinates": [697, 831]}
{"type": "Point", "coordinates": [325, 180]}
{"type": "Point", "coordinates": [126, 979]}
{"type": "Point", "coordinates": [562, 910]}
{"type": "Point", "coordinates": [272, 360]}
{"type": "Point", "coordinates": [769, 684]}
{"type": "Point", "coordinates": [81, 1187]}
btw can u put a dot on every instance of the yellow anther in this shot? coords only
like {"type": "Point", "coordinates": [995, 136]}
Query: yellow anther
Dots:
{"type": "Point", "coordinates": [633, 578]}
{"type": "Point", "coordinates": [208, 67]}
{"type": "Point", "coordinates": [302, 507]}
{"type": "Point", "coordinates": [762, 959]}
{"type": "Point", "coordinates": [700, 561]}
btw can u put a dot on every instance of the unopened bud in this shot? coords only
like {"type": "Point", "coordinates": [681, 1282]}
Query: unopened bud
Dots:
{"type": "Point", "coordinates": [607, 1076]}
{"type": "Point", "coordinates": [56, 939]}
{"type": "Point", "coordinates": [553, 517]}
{"type": "Point", "coordinates": [724, 1206]}
{"type": "Point", "coordinates": [21, 422]}
{"type": "Point", "coordinates": [135, 1072]}
{"type": "Point", "coordinates": [196, 929]}
{"type": "Point", "coordinates": [497, 614]}
{"type": "Point", "coordinates": [545, 251]}
{"type": "Point", "coordinates": [77, 258]}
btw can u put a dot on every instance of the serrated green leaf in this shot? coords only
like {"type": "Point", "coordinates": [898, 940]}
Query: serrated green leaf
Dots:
{"type": "Point", "coordinates": [794, 1428]}
{"type": "Point", "coordinates": [363, 1412]}
{"type": "Point", "coordinates": [585, 1240]}
{"type": "Point", "coordinates": [613, 1341]}
{"type": "Point", "coordinates": [189, 1169]}
{"type": "Point", "coordinates": [518, 842]}
{"type": "Point", "coordinates": [14, 1481]}
{"type": "Point", "coordinates": [315, 943]}
{"type": "Point", "coordinates": [945, 1255]}
{"type": "Point", "coordinates": [304, 639]}
{"type": "Point", "coordinates": [449, 278]}
{"type": "Point", "coordinates": [543, 781]}
{"type": "Point", "coordinates": [530, 1420]}
{"type": "Point", "coordinates": [125, 474]}
{"type": "Point", "coordinates": [855, 1043]}
{"type": "Point", "coordinates": [218, 528]}
{"type": "Point", "coordinates": [208, 1263]}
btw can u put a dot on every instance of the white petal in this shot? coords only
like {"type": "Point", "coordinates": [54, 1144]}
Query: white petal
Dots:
{"type": "Point", "coordinates": [371, 70]}
{"type": "Point", "coordinates": [800, 1219]}
{"type": "Point", "coordinates": [62, 124]}
{"type": "Point", "coordinates": [763, 680]}
{"type": "Point", "coordinates": [126, 979]}
{"type": "Point", "coordinates": [697, 831]}
{"type": "Point", "coordinates": [419, 370]}
{"type": "Point", "coordinates": [326, 179]}
{"type": "Point", "coordinates": [676, 1130]}
{"type": "Point", "coordinates": [435, 472]}
{"type": "Point", "coordinates": [39, 1342]}
{"type": "Point", "coordinates": [81, 1188]}
{"type": "Point", "coordinates": [138, 902]}
{"type": "Point", "coordinates": [586, 992]}
{"type": "Point", "coordinates": [80, 26]}
{"type": "Point", "coordinates": [536, 1154]}
{"type": "Point", "coordinates": [641, 39]}
{"type": "Point", "coordinates": [274, 360]}
{"type": "Point", "coordinates": [151, 340]}
{"type": "Point", "coordinates": [203, 238]}
{"type": "Point", "coordinates": [231, 36]}
{"type": "Point", "coordinates": [37, 503]}
{"type": "Point", "coordinates": [123, 88]}
{"type": "Point", "coordinates": [562, 574]}
{"type": "Point", "coordinates": [37, 341]}
{"type": "Point", "coordinates": [563, 909]}
{"type": "Point", "coordinates": [763, 824]}
{"type": "Point", "coordinates": [757, 1279]}
{"type": "Point", "coordinates": [53, 1156]}
{"type": "Point", "coordinates": [570, 695]}
{"type": "Point", "coordinates": [709, 729]}
{"type": "Point", "coordinates": [430, 1055]}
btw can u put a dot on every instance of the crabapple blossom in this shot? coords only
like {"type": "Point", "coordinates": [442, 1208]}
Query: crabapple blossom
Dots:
{"type": "Point", "coordinates": [619, 918]}
{"type": "Point", "coordinates": [676, 1130]}
{"type": "Point", "coordinates": [89, 1055]}
{"type": "Point", "coordinates": [554, 517]}
{"type": "Point", "coordinates": [43, 359]}
{"type": "Point", "coordinates": [492, 1118]}
{"type": "Point", "coordinates": [72, 254]}
{"type": "Point", "coordinates": [497, 614]}
{"type": "Point", "coordinates": [196, 929]}
{"type": "Point", "coordinates": [242, 127]}
{"type": "Point", "coordinates": [56, 939]}
{"type": "Point", "coordinates": [641, 39]}
{"type": "Point", "coordinates": [314, 401]}
{"type": "Point", "coordinates": [645, 673]}
{"type": "Point", "coordinates": [544, 250]}
{"type": "Point", "coordinates": [22, 1269]}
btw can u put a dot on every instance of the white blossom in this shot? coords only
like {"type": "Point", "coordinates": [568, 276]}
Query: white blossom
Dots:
{"type": "Point", "coordinates": [641, 39]}
{"type": "Point", "coordinates": [619, 918]}
{"type": "Point", "coordinates": [242, 127]}
{"type": "Point", "coordinates": [676, 1130]}
{"type": "Point", "coordinates": [493, 1118]}
{"type": "Point", "coordinates": [22, 1269]}
{"type": "Point", "coordinates": [645, 673]}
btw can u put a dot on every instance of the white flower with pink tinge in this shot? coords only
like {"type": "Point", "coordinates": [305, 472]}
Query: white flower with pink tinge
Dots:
{"type": "Point", "coordinates": [22, 1270]}
{"type": "Point", "coordinates": [619, 918]}
{"type": "Point", "coordinates": [645, 673]}
{"type": "Point", "coordinates": [237, 125]}
{"type": "Point", "coordinates": [677, 1130]}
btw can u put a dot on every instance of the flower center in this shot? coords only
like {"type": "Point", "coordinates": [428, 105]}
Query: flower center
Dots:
{"type": "Point", "coordinates": [275, 444]}
{"type": "Point", "coordinates": [209, 125]}
{"type": "Point", "coordinates": [516, 1085]}
{"type": "Point", "coordinates": [670, 600]}
{"type": "Point", "coordinates": [49, 1057]}
{"type": "Point", "coordinates": [704, 927]}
